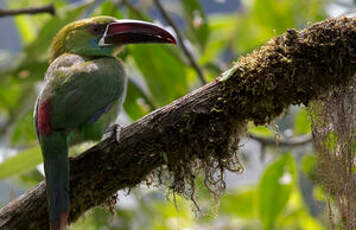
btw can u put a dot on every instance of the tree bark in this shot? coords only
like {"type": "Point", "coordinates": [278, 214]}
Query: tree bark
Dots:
{"type": "Point", "coordinates": [293, 68]}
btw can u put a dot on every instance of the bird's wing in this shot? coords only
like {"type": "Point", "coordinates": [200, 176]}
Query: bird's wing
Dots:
{"type": "Point", "coordinates": [80, 93]}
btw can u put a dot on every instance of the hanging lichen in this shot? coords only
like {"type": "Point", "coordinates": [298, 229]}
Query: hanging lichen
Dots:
{"type": "Point", "coordinates": [334, 132]}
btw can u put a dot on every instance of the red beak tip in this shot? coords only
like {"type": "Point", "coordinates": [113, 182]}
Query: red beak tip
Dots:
{"type": "Point", "coordinates": [173, 41]}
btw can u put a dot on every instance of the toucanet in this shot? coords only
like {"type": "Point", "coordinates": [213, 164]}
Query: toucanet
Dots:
{"type": "Point", "coordinates": [84, 90]}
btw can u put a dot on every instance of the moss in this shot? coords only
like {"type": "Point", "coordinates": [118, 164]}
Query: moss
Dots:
{"type": "Point", "coordinates": [293, 68]}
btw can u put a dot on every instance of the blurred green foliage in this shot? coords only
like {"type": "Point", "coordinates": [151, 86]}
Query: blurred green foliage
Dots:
{"type": "Point", "coordinates": [274, 189]}
{"type": "Point", "coordinates": [160, 74]}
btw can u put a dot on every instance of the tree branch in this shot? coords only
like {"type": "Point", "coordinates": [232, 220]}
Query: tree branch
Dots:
{"type": "Point", "coordinates": [290, 69]}
{"type": "Point", "coordinates": [187, 53]}
{"type": "Point", "coordinates": [289, 142]}
{"type": "Point", "coordinates": [32, 10]}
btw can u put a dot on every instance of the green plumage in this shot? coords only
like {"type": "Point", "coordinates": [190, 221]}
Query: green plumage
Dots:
{"type": "Point", "coordinates": [79, 90]}
{"type": "Point", "coordinates": [82, 96]}
{"type": "Point", "coordinates": [84, 90]}
{"type": "Point", "coordinates": [75, 38]}
{"type": "Point", "coordinates": [76, 93]}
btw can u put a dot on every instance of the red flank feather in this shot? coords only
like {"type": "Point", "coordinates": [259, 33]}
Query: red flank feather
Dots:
{"type": "Point", "coordinates": [44, 118]}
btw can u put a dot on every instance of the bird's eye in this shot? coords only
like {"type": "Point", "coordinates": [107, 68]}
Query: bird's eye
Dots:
{"type": "Point", "coordinates": [97, 29]}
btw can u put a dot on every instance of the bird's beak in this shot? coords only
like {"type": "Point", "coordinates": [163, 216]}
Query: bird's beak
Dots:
{"type": "Point", "coordinates": [133, 31]}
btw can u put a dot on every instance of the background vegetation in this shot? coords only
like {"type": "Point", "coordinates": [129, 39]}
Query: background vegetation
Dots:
{"type": "Point", "coordinates": [279, 188]}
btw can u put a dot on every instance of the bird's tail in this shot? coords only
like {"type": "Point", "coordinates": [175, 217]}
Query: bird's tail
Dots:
{"type": "Point", "coordinates": [55, 155]}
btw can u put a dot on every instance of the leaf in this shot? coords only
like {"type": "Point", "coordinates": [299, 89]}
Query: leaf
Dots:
{"type": "Point", "coordinates": [267, 18]}
{"type": "Point", "coordinates": [248, 36]}
{"type": "Point", "coordinates": [302, 123]}
{"type": "Point", "coordinates": [164, 73]}
{"type": "Point", "coordinates": [135, 13]}
{"type": "Point", "coordinates": [308, 165]}
{"type": "Point", "coordinates": [307, 222]}
{"type": "Point", "coordinates": [274, 189]}
{"type": "Point", "coordinates": [273, 14]}
{"type": "Point", "coordinates": [197, 21]}
{"type": "Point", "coordinates": [25, 29]}
{"type": "Point", "coordinates": [222, 29]}
{"type": "Point", "coordinates": [10, 94]}
{"type": "Point", "coordinates": [8, 61]}
{"type": "Point", "coordinates": [240, 204]}
{"type": "Point", "coordinates": [110, 8]}
{"type": "Point", "coordinates": [22, 162]}
{"type": "Point", "coordinates": [24, 131]}
{"type": "Point", "coordinates": [260, 130]}
{"type": "Point", "coordinates": [137, 103]}
{"type": "Point", "coordinates": [33, 71]}
{"type": "Point", "coordinates": [28, 25]}
{"type": "Point", "coordinates": [38, 49]}
{"type": "Point", "coordinates": [34, 61]}
{"type": "Point", "coordinates": [297, 215]}
{"type": "Point", "coordinates": [30, 178]}
{"type": "Point", "coordinates": [161, 211]}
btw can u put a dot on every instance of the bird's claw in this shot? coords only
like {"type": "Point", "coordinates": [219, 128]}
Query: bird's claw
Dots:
{"type": "Point", "coordinates": [113, 131]}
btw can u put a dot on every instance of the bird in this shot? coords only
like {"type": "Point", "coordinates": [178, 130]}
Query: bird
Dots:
{"type": "Point", "coordinates": [84, 89]}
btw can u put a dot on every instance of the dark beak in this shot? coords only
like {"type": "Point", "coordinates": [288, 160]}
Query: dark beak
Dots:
{"type": "Point", "coordinates": [133, 31]}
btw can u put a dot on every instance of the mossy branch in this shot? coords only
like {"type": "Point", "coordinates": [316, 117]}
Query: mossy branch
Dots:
{"type": "Point", "coordinates": [204, 126]}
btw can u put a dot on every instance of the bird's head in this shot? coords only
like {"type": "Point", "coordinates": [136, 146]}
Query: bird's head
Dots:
{"type": "Point", "coordinates": [100, 36]}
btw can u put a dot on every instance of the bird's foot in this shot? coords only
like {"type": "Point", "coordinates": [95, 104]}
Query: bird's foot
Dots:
{"type": "Point", "coordinates": [113, 131]}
